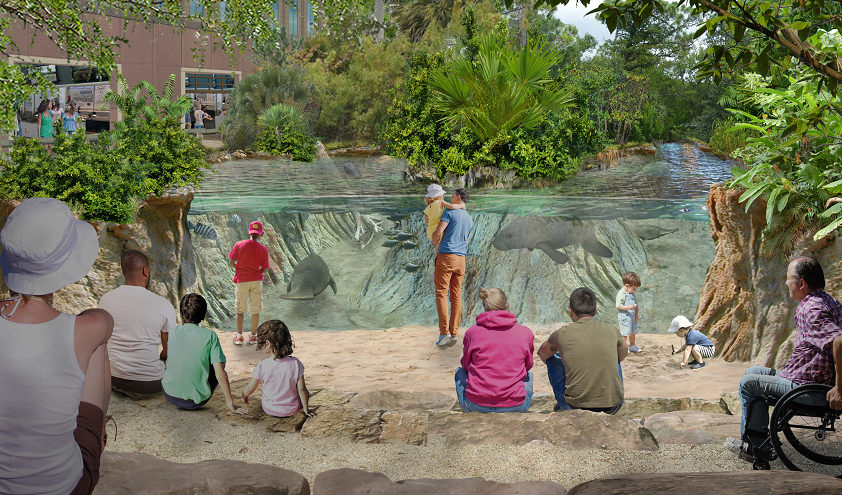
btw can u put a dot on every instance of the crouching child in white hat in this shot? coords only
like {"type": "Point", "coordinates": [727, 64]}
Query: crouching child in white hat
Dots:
{"type": "Point", "coordinates": [695, 343]}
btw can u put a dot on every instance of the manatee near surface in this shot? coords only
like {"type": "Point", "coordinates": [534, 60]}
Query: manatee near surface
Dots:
{"type": "Point", "coordinates": [310, 278]}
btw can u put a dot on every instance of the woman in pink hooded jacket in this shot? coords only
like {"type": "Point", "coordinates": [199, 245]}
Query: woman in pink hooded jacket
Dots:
{"type": "Point", "coordinates": [496, 359]}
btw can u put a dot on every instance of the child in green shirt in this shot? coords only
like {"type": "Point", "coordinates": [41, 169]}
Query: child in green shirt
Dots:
{"type": "Point", "coordinates": [195, 362]}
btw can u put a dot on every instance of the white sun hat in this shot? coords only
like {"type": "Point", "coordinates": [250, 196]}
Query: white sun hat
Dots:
{"type": "Point", "coordinates": [434, 191]}
{"type": "Point", "coordinates": [679, 322]}
{"type": "Point", "coordinates": [45, 248]}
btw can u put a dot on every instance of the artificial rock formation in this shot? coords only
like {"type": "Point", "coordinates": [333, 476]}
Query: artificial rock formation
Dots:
{"type": "Point", "coordinates": [159, 231]}
{"type": "Point", "coordinates": [143, 474]}
{"type": "Point", "coordinates": [692, 427]}
{"type": "Point", "coordinates": [744, 306]}
{"type": "Point", "coordinates": [358, 482]}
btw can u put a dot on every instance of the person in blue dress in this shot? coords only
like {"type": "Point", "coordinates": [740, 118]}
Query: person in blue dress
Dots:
{"type": "Point", "coordinates": [69, 118]}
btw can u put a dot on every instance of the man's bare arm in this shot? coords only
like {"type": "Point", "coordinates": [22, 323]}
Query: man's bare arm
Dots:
{"type": "Point", "coordinates": [165, 337]}
{"type": "Point", "coordinates": [622, 351]}
{"type": "Point", "coordinates": [546, 351]}
{"type": "Point", "coordinates": [232, 263]}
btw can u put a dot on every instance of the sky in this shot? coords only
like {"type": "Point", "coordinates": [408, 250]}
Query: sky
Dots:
{"type": "Point", "coordinates": [573, 13]}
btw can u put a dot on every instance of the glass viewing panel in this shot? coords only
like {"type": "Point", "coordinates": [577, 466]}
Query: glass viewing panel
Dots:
{"type": "Point", "coordinates": [219, 82]}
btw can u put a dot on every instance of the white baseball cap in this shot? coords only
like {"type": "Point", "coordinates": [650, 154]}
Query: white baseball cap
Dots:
{"type": "Point", "coordinates": [434, 191]}
{"type": "Point", "coordinates": [678, 323]}
{"type": "Point", "coordinates": [45, 248]}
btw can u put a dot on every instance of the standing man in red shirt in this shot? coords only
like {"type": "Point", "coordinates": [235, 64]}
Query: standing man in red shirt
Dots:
{"type": "Point", "coordinates": [250, 261]}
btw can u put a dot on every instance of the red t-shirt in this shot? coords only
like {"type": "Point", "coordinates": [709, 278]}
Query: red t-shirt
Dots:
{"type": "Point", "coordinates": [250, 256]}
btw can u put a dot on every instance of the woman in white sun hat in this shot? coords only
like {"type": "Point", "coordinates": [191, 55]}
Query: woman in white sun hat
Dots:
{"type": "Point", "coordinates": [55, 378]}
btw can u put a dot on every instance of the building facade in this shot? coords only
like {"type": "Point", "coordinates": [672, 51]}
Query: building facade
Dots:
{"type": "Point", "coordinates": [152, 54]}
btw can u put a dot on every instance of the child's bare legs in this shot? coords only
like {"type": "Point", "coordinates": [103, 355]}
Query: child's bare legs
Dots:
{"type": "Point", "coordinates": [255, 322]}
{"type": "Point", "coordinates": [696, 354]}
{"type": "Point", "coordinates": [239, 323]}
{"type": "Point", "coordinates": [631, 339]}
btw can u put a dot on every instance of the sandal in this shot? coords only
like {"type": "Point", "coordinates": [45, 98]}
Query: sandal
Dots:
{"type": "Point", "coordinates": [238, 339]}
{"type": "Point", "coordinates": [104, 436]}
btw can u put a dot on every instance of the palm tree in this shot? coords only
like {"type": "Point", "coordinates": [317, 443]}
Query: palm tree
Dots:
{"type": "Point", "coordinates": [134, 107]}
{"type": "Point", "coordinates": [258, 92]}
{"type": "Point", "coordinates": [415, 16]}
{"type": "Point", "coordinates": [502, 90]}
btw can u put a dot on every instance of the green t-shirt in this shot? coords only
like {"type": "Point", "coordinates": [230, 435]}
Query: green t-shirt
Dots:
{"type": "Point", "coordinates": [191, 351]}
{"type": "Point", "coordinates": [588, 349]}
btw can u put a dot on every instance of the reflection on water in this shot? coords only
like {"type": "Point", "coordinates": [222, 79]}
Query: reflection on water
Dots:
{"type": "Point", "coordinates": [362, 221]}
{"type": "Point", "coordinates": [673, 184]}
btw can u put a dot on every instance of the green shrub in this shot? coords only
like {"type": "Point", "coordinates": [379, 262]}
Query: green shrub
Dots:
{"type": "Point", "coordinates": [283, 131]}
{"type": "Point", "coordinates": [89, 178]}
{"type": "Point", "coordinates": [726, 140]}
{"type": "Point", "coordinates": [256, 93]}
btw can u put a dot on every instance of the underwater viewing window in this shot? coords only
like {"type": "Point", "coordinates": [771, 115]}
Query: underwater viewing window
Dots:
{"type": "Point", "coordinates": [209, 82]}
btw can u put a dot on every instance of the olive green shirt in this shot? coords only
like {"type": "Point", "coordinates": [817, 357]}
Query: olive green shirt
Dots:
{"type": "Point", "coordinates": [588, 349]}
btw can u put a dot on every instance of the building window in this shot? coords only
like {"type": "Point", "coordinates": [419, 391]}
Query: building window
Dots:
{"type": "Point", "coordinates": [310, 21]}
{"type": "Point", "coordinates": [276, 11]}
{"type": "Point", "coordinates": [196, 8]}
{"type": "Point", "coordinates": [222, 10]}
{"type": "Point", "coordinates": [293, 19]}
{"type": "Point", "coordinates": [208, 82]}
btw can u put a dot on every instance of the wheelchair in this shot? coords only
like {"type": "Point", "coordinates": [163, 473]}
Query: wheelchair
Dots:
{"type": "Point", "coordinates": [801, 433]}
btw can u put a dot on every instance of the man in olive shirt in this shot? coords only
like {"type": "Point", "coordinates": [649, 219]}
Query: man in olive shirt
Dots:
{"type": "Point", "coordinates": [583, 359]}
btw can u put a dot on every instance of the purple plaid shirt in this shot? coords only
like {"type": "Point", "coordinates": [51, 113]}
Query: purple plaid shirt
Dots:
{"type": "Point", "coordinates": [819, 321]}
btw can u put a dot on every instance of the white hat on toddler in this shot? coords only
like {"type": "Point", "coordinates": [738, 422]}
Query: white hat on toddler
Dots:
{"type": "Point", "coordinates": [678, 323]}
{"type": "Point", "coordinates": [434, 191]}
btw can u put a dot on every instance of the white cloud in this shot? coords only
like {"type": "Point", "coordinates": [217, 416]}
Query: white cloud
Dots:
{"type": "Point", "coordinates": [574, 13]}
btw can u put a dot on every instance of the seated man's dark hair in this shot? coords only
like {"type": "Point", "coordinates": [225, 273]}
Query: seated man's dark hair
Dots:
{"type": "Point", "coordinates": [133, 262]}
{"type": "Point", "coordinates": [463, 194]}
{"type": "Point", "coordinates": [276, 333]}
{"type": "Point", "coordinates": [193, 308]}
{"type": "Point", "coordinates": [583, 302]}
{"type": "Point", "coordinates": [810, 270]}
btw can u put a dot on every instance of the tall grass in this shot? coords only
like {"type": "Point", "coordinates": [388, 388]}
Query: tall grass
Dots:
{"type": "Point", "coordinates": [725, 141]}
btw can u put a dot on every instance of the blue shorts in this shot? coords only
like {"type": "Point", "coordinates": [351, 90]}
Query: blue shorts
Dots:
{"type": "Point", "coordinates": [627, 325]}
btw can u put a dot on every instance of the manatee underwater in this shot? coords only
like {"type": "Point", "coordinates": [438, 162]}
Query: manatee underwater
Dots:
{"type": "Point", "coordinates": [649, 232]}
{"type": "Point", "coordinates": [351, 170]}
{"type": "Point", "coordinates": [549, 234]}
{"type": "Point", "coordinates": [310, 277]}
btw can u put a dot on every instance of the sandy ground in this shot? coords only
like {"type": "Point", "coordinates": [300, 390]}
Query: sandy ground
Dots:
{"type": "Point", "coordinates": [406, 358]}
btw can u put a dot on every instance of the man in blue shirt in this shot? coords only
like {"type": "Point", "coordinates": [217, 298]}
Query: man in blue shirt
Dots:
{"type": "Point", "coordinates": [451, 238]}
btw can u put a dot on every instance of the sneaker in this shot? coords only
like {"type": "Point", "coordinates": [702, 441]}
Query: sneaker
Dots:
{"type": "Point", "coordinates": [453, 339]}
{"type": "Point", "coordinates": [634, 348]}
{"type": "Point", "coordinates": [556, 407]}
{"type": "Point", "coordinates": [699, 366]}
{"type": "Point", "coordinates": [238, 339]}
{"type": "Point", "coordinates": [692, 362]}
{"type": "Point", "coordinates": [442, 339]}
{"type": "Point", "coordinates": [737, 446]}
{"type": "Point", "coordinates": [252, 339]}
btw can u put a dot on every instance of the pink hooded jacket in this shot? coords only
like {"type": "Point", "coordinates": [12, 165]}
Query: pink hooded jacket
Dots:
{"type": "Point", "coordinates": [497, 354]}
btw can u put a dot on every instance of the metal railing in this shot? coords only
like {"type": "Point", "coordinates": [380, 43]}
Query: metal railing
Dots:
{"type": "Point", "coordinates": [7, 143]}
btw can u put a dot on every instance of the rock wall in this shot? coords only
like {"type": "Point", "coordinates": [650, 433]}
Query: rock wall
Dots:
{"type": "Point", "coordinates": [159, 231]}
{"type": "Point", "coordinates": [744, 305]}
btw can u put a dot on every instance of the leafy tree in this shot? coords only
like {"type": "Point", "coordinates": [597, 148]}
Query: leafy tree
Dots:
{"type": "Point", "coordinates": [151, 134]}
{"type": "Point", "coordinates": [256, 93]}
{"type": "Point", "coordinates": [283, 130]}
{"type": "Point", "coordinates": [414, 17]}
{"type": "Point", "coordinates": [502, 91]}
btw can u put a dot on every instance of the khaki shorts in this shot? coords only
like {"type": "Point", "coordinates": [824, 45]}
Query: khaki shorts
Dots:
{"type": "Point", "coordinates": [248, 295]}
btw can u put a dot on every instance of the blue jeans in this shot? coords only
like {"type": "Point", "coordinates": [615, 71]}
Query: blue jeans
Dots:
{"type": "Point", "coordinates": [199, 126]}
{"type": "Point", "coordinates": [468, 406]}
{"type": "Point", "coordinates": [188, 403]}
{"type": "Point", "coordinates": [558, 380]}
{"type": "Point", "coordinates": [755, 383]}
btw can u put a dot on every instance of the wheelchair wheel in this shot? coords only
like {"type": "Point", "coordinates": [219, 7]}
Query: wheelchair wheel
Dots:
{"type": "Point", "coordinates": [803, 431]}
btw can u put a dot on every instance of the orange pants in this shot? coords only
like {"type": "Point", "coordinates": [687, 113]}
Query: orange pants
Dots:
{"type": "Point", "coordinates": [450, 268]}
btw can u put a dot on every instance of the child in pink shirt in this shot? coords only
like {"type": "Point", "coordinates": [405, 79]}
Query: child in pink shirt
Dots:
{"type": "Point", "coordinates": [284, 391]}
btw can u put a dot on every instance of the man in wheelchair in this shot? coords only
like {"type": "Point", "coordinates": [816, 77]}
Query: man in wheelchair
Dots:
{"type": "Point", "coordinates": [817, 345]}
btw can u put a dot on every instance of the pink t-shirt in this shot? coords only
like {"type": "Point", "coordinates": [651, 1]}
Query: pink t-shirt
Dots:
{"type": "Point", "coordinates": [250, 256]}
{"type": "Point", "coordinates": [280, 377]}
